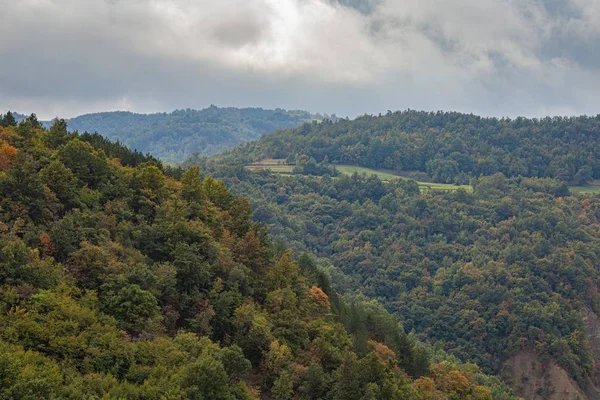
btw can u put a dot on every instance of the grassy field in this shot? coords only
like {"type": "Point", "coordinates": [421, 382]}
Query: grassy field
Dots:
{"type": "Point", "coordinates": [386, 176]}
{"type": "Point", "coordinates": [595, 189]}
{"type": "Point", "coordinates": [279, 167]}
{"type": "Point", "coordinates": [274, 168]}
{"type": "Point", "coordinates": [592, 187]}
{"type": "Point", "coordinates": [350, 169]}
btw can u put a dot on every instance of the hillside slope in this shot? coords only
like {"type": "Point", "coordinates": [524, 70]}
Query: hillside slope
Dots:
{"type": "Point", "coordinates": [176, 136]}
{"type": "Point", "coordinates": [449, 147]}
{"type": "Point", "coordinates": [510, 268]}
{"type": "Point", "coordinates": [119, 281]}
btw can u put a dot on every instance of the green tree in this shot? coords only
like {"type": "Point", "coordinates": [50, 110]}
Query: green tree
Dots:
{"type": "Point", "coordinates": [8, 119]}
{"type": "Point", "coordinates": [133, 307]}
{"type": "Point", "coordinates": [206, 378]}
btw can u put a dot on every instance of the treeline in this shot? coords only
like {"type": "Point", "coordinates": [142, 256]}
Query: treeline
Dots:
{"type": "Point", "coordinates": [120, 281]}
{"type": "Point", "coordinates": [177, 136]}
{"type": "Point", "coordinates": [449, 147]}
{"type": "Point", "coordinates": [10, 119]}
{"type": "Point", "coordinates": [486, 275]}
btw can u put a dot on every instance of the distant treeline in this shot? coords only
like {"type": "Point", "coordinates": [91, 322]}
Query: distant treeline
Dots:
{"type": "Point", "coordinates": [177, 136]}
{"type": "Point", "coordinates": [450, 147]}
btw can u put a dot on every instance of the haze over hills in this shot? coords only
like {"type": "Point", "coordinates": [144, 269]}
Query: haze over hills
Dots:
{"type": "Point", "coordinates": [176, 136]}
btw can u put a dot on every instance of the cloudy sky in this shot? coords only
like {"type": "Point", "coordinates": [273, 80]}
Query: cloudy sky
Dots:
{"type": "Point", "coordinates": [349, 57]}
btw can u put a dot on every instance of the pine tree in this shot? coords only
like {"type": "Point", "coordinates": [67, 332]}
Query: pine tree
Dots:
{"type": "Point", "coordinates": [8, 120]}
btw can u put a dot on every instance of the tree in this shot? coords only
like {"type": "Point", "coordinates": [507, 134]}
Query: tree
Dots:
{"type": "Point", "coordinates": [32, 119]}
{"type": "Point", "coordinates": [193, 272]}
{"type": "Point", "coordinates": [8, 156]}
{"type": "Point", "coordinates": [133, 307]}
{"type": "Point", "coordinates": [240, 217]}
{"type": "Point", "coordinates": [217, 193]}
{"type": "Point", "coordinates": [283, 388]}
{"type": "Point", "coordinates": [314, 384]}
{"type": "Point", "coordinates": [583, 176]}
{"type": "Point", "coordinates": [62, 182]}
{"type": "Point", "coordinates": [57, 135]}
{"type": "Point", "coordinates": [320, 300]}
{"type": "Point", "coordinates": [347, 386]}
{"type": "Point", "coordinates": [234, 362]}
{"type": "Point", "coordinates": [206, 378]}
{"type": "Point", "coordinates": [192, 186]}
{"type": "Point", "coordinates": [8, 119]}
{"type": "Point", "coordinates": [88, 165]}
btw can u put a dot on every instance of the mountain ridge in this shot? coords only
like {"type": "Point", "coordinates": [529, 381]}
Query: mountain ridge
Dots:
{"type": "Point", "coordinates": [176, 136]}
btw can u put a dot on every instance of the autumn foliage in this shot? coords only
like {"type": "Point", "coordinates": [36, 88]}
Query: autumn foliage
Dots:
{"type": "Point", "coordinates": [122, 281]}
{"type": "Point", "coordinates": [319, 299]}
{"type": "Point", "coordinates": [8, 156]}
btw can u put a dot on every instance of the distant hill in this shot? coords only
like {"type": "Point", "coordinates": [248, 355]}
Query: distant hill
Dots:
{"type": "Point", "coordinates": [503, 273]}
{"type": "Point", "coordinates": [176, 136]}
{"type": "Point", "coordinates": [449, 147]}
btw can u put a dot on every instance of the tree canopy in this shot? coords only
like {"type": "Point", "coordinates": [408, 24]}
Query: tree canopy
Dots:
{"type": "Point", "coordinates": [175, 137]}
{"type": "Point", "coordinates": [449, 147]}
{"type": "Point", "coordinates": [508, 268]}
{"type": "Point", "coordinates": [120, 279]}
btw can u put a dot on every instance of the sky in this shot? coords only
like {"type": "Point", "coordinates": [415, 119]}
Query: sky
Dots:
{"type": "Point", "coordinates": [349, 57]}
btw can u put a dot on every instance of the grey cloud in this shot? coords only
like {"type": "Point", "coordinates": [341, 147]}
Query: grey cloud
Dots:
{"type": "Point", "coordinates": [239, 33]}
{"type": "Point", "coordinates": [364, 6]}
{"type": "Point", "coordinates": [517, 57]}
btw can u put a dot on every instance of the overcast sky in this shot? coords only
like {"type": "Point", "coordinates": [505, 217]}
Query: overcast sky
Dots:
{"type": "Point", "coordinates": [349, 57]}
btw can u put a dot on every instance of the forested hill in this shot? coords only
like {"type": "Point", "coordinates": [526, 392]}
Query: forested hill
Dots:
{"type": "Point", "coordinates": [502, 272]}
{"type": "Point", "coordinates": [450, 147]}
{"type": "Point", "coordinates": [119, 280]}
{"type": "Point", "coordinates": [176, 136]}
{"type": "Point", "coordinates": [506, 276]}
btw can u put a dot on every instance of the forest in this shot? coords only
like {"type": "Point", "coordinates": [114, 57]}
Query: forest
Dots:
{"type": "Point", "coordinates": [504, 269]}
{"type": "Point", "coordinates": [176, 136]}
{"type": "Point", "coordinates": [483, 275]}
{"type": "Point", "coordinates": [120, 278]}
{"type": "Point", "coordinates": [449, 147]}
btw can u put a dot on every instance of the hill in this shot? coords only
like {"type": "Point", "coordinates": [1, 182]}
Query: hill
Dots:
{"type": "Point", "coordinates": [507, 272]}
{"type": "Point", "coordinates": [448, 147]}
{"type": "Point", "coordinates": [503, 275]}
{"type": "Point", "coordinates": [122, 279]}
{"type": "Point", "coordinates": [175, 137]}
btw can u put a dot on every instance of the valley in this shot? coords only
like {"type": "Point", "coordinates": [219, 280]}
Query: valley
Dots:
{"type": "Point", "coordinates": [300, 200]}
{"type": "Point", "coordinates": [475, 271]}
{"type": "Point", "coordinates": [434, 276]}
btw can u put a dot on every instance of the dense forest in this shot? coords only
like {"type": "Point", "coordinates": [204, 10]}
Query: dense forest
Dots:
{"type": "Point", "coordinates": [449, 147]}
{"type": "Point", "coordinates": [122, 279]}
{"type": "Point", "coordinates": [175, 137]}
{"type": "Point", "coordinates": [506, 270]}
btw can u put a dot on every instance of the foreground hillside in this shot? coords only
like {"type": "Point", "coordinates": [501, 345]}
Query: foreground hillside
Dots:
{"type": "Point", "coordinates": [119, 281]}
{"type": "Point", "coordinates": [449, 147]}
{"type": "Point", "coordinates": [176, 136]}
